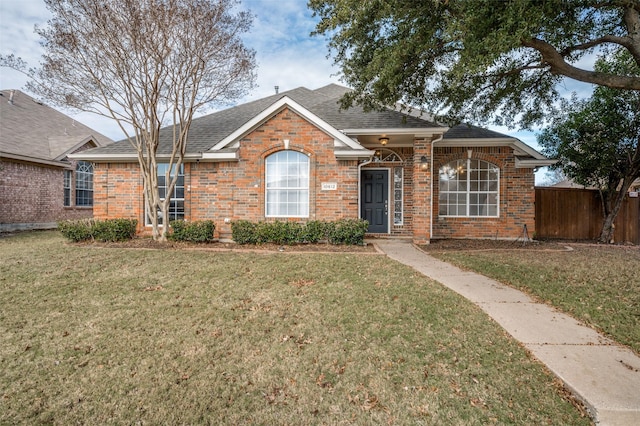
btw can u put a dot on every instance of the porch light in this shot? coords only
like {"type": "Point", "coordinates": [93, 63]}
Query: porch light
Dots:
{"type": "Point", "coordinates": [424, 162]}
{"type": "Point", "coordinates": [383, 141]}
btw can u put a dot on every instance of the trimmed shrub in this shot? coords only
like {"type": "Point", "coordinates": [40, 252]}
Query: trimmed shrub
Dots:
{"type": "Point", "coordinates": [100, 230]}
{"type": "Point", "coordinates": [314, 231]}
{"type": "Point", "coordinates": [279, 232]}
{"type": "Point", "coordinates": [114, 229]}
{"type": "Point", "coordinates": [77, 230]}
{"type": "Point", "coordinates": [345, 231]}
{"type": "Point", "coordinates": [200, 231]}
{"type": "Point", "coordinates": [244, 232]}
{"type": "Point", "coordinates": [348, 231]}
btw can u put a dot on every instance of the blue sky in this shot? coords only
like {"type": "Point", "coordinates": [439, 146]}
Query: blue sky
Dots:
{"type": "Point", "coordinates": [287, 55]}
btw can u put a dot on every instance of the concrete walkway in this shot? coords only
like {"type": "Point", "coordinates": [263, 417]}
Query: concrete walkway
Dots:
{"type": "Point", "coordinates": [605, 376]}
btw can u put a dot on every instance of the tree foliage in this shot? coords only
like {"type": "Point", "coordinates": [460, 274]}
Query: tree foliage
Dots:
{"type": "Point", "coordinates": [597, 141]}
{"type": "Point", "coordinates": [475, 59]}
{"type": "Point", "coordinates": [146, 64]}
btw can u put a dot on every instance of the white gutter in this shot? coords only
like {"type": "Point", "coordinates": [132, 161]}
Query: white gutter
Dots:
{"type": "Point", "coordinates": [433, 142]}
{"type": "Point", "coordinates": [353, 154]}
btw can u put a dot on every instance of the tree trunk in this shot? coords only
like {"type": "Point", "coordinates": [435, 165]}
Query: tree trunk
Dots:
{"type": "Point", "coordinates": [608, 227]}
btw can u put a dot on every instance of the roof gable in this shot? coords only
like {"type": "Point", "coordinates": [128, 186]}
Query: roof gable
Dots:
{"type": "Point", "coordinates": [273, 109]}
{"type": "Point", "coordinates": [37, 132]}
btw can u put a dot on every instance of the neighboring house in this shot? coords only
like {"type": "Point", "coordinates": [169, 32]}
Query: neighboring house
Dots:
{"type": "Point", "coordinates": [39, 185]}
{"type": "Point", "coordinates": [297, 156]}
{"type": "Point", "coordinates": [569, 183]}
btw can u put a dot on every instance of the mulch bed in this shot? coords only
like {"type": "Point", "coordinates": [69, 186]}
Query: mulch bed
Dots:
{"type": "Point", "coordinates": [151, 244]}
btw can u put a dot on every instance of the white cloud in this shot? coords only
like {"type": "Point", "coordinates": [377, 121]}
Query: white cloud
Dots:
{"type": "Point", "coordinates": [287, 55]}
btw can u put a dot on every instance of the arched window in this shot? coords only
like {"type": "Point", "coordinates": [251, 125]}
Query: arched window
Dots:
{"type": "Point", "coordinates": [469, 188]}
{"type": "Point", "coordinates": [84, 184]}
{"type": "Point", "coordinates": [287, 185]}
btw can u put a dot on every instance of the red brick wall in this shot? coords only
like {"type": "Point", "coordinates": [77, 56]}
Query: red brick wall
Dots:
{"type": "Point", "coordinates": [517, 198]}
{"type": "Point", "coordinates": [32, 196]}
{"type": "Point", "coordinates": [229, 191]}
{"type": "Point", "coordinates": [235, 190]}
{"type": "Point", "coordinates": [118, 192]}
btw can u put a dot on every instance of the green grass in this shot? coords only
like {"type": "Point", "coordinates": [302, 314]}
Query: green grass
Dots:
{"type": "Point", "coordinates": [98, 335]}
{"type": "Point", "coordinates": [599, 285]}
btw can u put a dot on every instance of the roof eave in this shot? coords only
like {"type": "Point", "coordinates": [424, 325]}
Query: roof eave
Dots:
{"type": "Point", "coordinates": [28, 159]}
{"type": "Point", "coordinates": [516, 144]}
{"type": "Point", "coordinates": [417, 131]}
{"type": "Point", "coordinates": [360, 154]}
{"type": "Point", "coordinates": [533, 163]}
{"type": "Point", "coordinates": [127, 158]}
{"type": "Point", "coordinates": [217, 156]}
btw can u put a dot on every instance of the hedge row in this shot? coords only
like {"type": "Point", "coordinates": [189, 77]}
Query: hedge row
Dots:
{"type": "Point", "coordinates": [200, 231]}
{"type": "Point", "coordinates": [100, 230]}
{"type": "Point", "coordinates": [343, 231]}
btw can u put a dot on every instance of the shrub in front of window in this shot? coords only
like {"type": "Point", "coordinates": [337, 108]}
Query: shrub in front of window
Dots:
{"type": "Point", "coordinates": [77, 230]}
{"type": "Point", "coordinates": [315, 231]}
{"type": "Point", "coordinates": [200, 231]}
{"type": "Point", "coordinates": [279, 232]}
{"type": "Point", "coordinates": [344, 231]}
{"type": "Point", "coordinates": [111, 230]}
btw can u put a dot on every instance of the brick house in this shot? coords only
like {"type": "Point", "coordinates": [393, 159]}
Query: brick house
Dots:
{"type": "Point", "coordinates": [297, 156]}
{"type": "Point", "coordinates": [39, 184]}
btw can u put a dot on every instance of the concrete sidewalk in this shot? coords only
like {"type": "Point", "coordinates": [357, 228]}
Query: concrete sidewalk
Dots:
{"type": "Point", "coordinates": [605, 376]}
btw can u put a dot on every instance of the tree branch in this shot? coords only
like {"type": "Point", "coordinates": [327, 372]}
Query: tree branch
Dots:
{"type": "Point", "coordinates": [557, 64]}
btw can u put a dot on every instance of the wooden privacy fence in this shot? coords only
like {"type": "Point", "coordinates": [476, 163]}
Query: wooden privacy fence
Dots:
{"type": "Point", "coordinates": [576, 214]}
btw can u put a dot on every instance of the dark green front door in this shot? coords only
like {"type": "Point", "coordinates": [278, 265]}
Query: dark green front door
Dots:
{"type": "Point", "coordinates": [374, 200]}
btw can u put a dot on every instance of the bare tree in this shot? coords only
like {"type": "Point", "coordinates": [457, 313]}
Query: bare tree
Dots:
{"type": "Point", "coordinates": [147, 64]}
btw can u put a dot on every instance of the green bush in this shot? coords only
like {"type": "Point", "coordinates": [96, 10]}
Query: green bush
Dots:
{"type": "Point", "coordinates": [100, 230]}
{"type": "Point", "coordinates": [77, 230]}
{"type": "Point", "coordinates": [244, 232]}
{"type": "Point", "coordinates": [114, 229]}
{"type": "Point", "coordinates": [314, 231]}
{"type": "Point", "coordinates": [279, 232]}
{"type": "Point", "coordinates": [348, 231]}
{"type": "Point", "coordinates": [200, 231]}
{"type": "Point", "coordinates": [345, 231]}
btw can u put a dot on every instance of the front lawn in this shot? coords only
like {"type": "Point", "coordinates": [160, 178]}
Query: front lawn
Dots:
{"type": "Point", "coordinates": [597, 284]}
{"type": "Point", "coordinates": [136, 336]}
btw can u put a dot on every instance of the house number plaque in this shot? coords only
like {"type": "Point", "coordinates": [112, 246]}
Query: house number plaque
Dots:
{"type": "Point", "coordinates": [329, 186]}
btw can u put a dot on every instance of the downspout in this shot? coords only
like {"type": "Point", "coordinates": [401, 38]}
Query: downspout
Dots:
{"type": "Point", "coordinates": [433, 142]}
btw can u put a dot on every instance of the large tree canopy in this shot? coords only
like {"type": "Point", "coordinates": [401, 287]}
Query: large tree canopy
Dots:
{"type": "Point", "coordinates": [597, 141]}
{"type": "Point", "coordinates": [475, 59]}
{"type": "Point", "coordinates": [146, 64]}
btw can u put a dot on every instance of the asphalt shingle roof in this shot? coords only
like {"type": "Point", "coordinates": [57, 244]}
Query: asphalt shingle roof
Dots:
{"type": "Point", "coordinates": [210, 129]}
{"type": "Point", "coordinates": [32, 129]}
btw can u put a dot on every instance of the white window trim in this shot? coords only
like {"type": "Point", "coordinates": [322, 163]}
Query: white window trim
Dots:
{"type": "Point", "coordinates": [67, 185]}
{"type": "Point", "coordinates": [147, 222]}
{"type": "Point", "coordinates": [88, 171]}
{"type": "Point", "coordinates": [266, 189]}
{"type": "Point", "coordinates": [468, 192]}
{"type": "Point", "coordinates": [393, 188]}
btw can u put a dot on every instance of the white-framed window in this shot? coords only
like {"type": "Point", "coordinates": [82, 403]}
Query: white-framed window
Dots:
{"type": "Point", "coordinates": [397, 195]}
{"type": "Point", "coordinates": [176, 205]}
{"type": "Point", "coordinates": [469, 188]}
{"type": "Point", "coordinates": [287, 184]}
{"type": "Point", "coordinates": [84, 184]}
{"type": "Point", "coordinates": [66, 185]}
